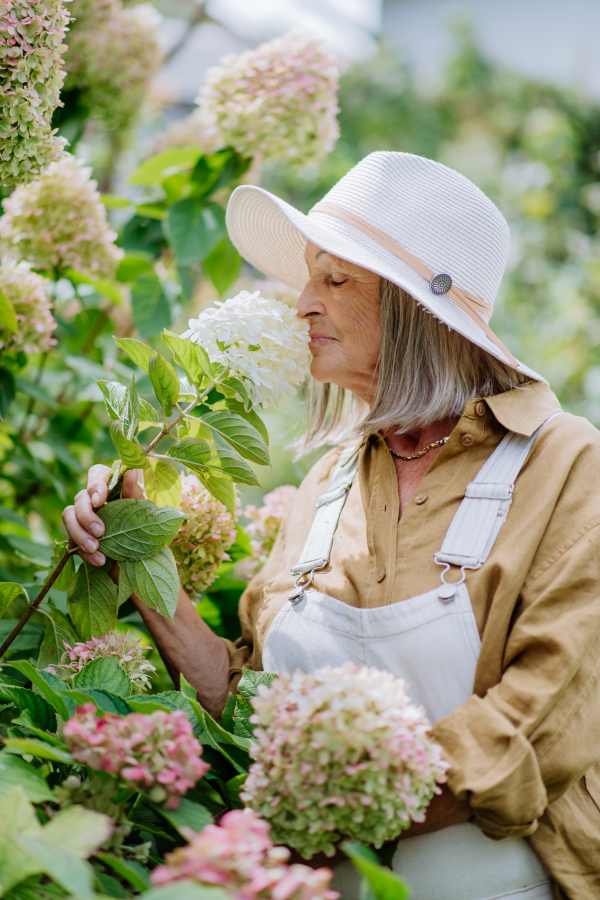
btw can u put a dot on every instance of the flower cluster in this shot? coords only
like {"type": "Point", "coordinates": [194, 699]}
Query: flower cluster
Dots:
{"type": "Point", "coordinates": [105, 30]}
{"type": "Point", "coordinates": [277, 101]}
{"type": "Point", "coordinates": [264, 526]}
{"type": "Point", "coordinates": [203, 540]}
{"type": "Point", "coordinates": [26, 291]}
{"type": "Point", "coordinates": [341, 751]}
{"type": "Point", "coordinates": [238, 855]}
{"type": "Point", "coordinates": [59, 222]}
{"type": "Point", "coordinates": [261, 341]}
{"type": "Point", "coordinates": [195, 130]}
{"type": "Point", "coordinates": [157, 752]}
{"type": "Point", "coordinates": [31, 44]}
{"type": "Point", "coordinates": [128, 651]}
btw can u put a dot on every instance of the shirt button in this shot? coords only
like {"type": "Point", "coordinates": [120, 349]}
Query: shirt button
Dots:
{"type": "Point", "coordinates": [467, 439]}
{"type": "Point", "coordinates": [420, 498]}
{"type": "Point", "coordinates": [480, 408]}
{"type": "Point", "coordinates": [380, 576]}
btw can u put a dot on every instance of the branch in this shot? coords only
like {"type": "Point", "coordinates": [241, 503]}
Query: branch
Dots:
{"type": "Point", "coordinates": [33, 606]}
{"type": "Point", "coordinates": [169, 428]}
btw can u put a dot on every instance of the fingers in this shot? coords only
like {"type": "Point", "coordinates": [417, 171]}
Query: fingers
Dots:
{"type": "Point", "coordinates": [97, 489]}
{"type": "Point", "coordinates": [133, 482]}
{"type": "Point", "coordinates": [81, 536]}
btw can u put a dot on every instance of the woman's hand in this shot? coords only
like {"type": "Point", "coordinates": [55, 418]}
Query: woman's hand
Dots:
{"type": "Point", "coordinates": [187, 645]}
{"type": "Point", "coordinates": [83, 526]}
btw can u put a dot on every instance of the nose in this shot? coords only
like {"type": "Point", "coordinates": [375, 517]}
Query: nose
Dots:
{"type": "Point", "coordinates": [308, 303]}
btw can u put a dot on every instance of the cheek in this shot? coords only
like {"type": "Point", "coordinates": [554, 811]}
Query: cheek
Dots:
{"type": "Point", "coordinates": [360, 328]}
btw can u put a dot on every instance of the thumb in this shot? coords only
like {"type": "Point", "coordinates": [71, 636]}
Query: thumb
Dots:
{"type": "Point", "coordinates": [133, 484]}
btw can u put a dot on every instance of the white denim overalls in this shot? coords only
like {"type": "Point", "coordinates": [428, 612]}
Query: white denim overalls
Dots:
{"type": "Point", "coordinates": [432, 642]}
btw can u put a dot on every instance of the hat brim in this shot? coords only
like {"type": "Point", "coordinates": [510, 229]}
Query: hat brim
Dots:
{"type": "Point", "coordinates": [271, 234]}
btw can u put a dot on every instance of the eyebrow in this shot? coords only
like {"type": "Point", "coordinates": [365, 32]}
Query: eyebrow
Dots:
{"type": "Point", "coordinates": [320, 253]}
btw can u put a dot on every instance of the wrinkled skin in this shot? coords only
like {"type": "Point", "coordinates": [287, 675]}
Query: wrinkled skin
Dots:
{"type": "Point", "coordinates": [341, 303]}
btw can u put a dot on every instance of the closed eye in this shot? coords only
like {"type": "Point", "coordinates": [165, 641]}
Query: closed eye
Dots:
{"type": "Point", "coordinates": [338, 283]}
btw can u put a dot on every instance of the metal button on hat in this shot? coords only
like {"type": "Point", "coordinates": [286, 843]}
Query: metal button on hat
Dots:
{"type": "Point", "coordinates": [440, 284]}
{"type": "Point", "coordinates": [480, 408]}
{"type": "Point", "coordinates": [467, 439]}
{"type": "Point", "coordinates": [420, 498]}
{"type": "Point", "coordinates": [380, 576]}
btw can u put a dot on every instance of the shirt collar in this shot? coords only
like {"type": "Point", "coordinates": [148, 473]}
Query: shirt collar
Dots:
{"type": "Point", "coordinates": [525, 408]}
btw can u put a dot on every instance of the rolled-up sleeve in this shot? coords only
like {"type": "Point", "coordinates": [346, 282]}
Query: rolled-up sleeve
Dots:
{"type": "Point", "coordinates": [531, 736]}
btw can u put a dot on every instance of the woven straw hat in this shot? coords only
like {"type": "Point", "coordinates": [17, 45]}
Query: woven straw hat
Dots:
{"type": "Point", "coordinates": [411, 220]}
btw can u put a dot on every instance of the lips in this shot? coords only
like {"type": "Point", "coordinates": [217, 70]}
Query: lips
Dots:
{"type": "Point", "coordinates": [321, 338]}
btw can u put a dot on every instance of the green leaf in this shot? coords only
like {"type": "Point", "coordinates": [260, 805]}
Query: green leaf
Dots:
{"type": "Point", "coordinates": [208, 458]}
{"type": "Point", "coordinates": [150, 304]}
{"type": "Point", "coordinates": [39, 554]}
{"type": "Point", "coordinates": [187, 815]}
{"type": "Point", "coordinates": [8, 316]}
{"type": "Point", "coordinates": [223, 265]}
{"type": "Point", "coordinates": [241, 718]}
{"type": "Point", "coordinates": [40, 749]}
{"type": "Point", "coordinates": [129, 871]}
{"type": "Point", "coordinates": [40, 711]}
{"type": "Point", "coordinates": [187, 890]}
{"type": "Point", "coordinates": [195, 228]}
{"type": "Point", "coordinates": [384, 884]}
{"type": "Point", "coordinates": [73, 874]}
{"type": "Point", "coordinates": [163, 484]}
{"type": "Point", "coordinates": [35, 391]}
{"type": "Point", "coordinates": [8, 592]}
{"type": "Point", "coordinates": [233, 787]}
{"type": "Point", "coordinates": [242, 436]}
{"type": "Point", "coordinates": [103, 673]}
{"type": "Point", "coordinates": [58, 630]}
{"type": "Point", "coordinates": [154, 580]}
{"type": "Point", "coordinates": [103, 700]}
{"type": "Point", "coordinates": [186, 688]}
{"type": "Point", "coordinates": [7, 391]}
{"type": "Point", "coordinates": [68, 571]}
{"type": "Point", "coordinates": [131, 266]}
{"type": "Point", "coordinates": [78, 830]}
{"type": "Point", "coordinates": [222, 489]}
{"type": "Point", "coordinates": [14, 770]}
{"type": "Point", "coordinates": [227, 714]}
{"type": "Point", "coordinates": [18, 819]}
{"type": "Point", "coordinates": [220, 739]}
{"type": "Point", "coordinates": [234, 389]}
{"type": "Point", "coordinates": [194, 428]}
{"type": "Point", "coordinates": [93, 600]}
{"type": "Point", "coordinates": [41, 681]}
{"type": "Point", "coordinates": [250, 682]}
{"type": "Point", "coordinates": [25, 721]}
{"type": "Point", "coordinates": [114, 397]}
{"type": "Point", "coordinates": [130, 417]}
{"type": "Point", "coordinates": [137, 529]}
{"type": "Point", "coordinates": [130, 452]}
{"type": "Point", "coordinates": [147, 414]}
{"type": "Point", "coordinates": [249, 415]}
{"type": "Point", "coordinates": [192, 358]}
{"type": "Point", "coordinates": [138, 352]}
{"type": "Point", "coordinates": [165, 382]}
{"type": "Point", "coordinates": [155, 169]}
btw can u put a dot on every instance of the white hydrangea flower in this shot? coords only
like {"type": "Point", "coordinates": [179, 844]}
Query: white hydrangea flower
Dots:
{"type": "Point", "coordinates": [261, 341]}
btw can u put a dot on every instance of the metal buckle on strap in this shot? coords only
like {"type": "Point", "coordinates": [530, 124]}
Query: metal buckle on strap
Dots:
{"type": "Point", "coordinates": [302, 569]}
{"type": "Point", "coordinates": [335, 494]}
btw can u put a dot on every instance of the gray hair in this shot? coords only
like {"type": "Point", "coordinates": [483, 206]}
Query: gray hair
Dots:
{"type": "Point", "coordinates": [425, 372]}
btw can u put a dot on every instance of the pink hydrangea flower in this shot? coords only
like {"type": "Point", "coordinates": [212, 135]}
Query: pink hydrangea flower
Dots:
{"type": "Point", "coordinates": [277, 101]}
{"type": "Point", "coordinates": [203, 540]}
{"type": "Point", "coordinates": [264, 527]}
{"type": "Point", "coordinates": [59, 222]}
{"type": "Point", "coordinates": [128, 651]}
{"type": "Point", "coordinates": [238, 855]}
{"type": "Point", "coordinates": [31, 47]}
{"type": "Point", "coordinates": [35, 323]}
{"type": "Point", "coordinates": [341, 752]}
{"type": "Point", "coordinates": [156, 753]}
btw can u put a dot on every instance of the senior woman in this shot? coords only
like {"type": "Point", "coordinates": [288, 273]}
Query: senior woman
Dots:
{"type": "Point", "coordinates": [465, 554]}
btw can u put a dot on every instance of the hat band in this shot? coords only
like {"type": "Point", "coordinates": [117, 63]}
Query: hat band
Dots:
{"type": "Point", "coordinates": [473, 306]}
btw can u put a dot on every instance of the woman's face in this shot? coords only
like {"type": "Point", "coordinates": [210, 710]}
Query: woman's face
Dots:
{"type": "Point", "coordinates": [341, 303]}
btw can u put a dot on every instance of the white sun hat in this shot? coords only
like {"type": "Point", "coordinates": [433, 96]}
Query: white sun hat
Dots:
{"type": "Point", "coordinates": [411, 220]}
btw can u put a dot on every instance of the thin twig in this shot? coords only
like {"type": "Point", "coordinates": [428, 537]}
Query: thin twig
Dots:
{"type": "Point", "coordinates": [34, 605]}
{"type": "Point", "coordinates": [169, 428]}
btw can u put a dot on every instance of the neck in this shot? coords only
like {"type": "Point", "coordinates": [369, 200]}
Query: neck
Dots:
{"type": "Point", "coordinates": [410, 443]}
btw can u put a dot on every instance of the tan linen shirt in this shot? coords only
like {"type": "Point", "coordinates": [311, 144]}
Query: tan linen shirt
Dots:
{"type": "Point", "coordinates": [522, 749]}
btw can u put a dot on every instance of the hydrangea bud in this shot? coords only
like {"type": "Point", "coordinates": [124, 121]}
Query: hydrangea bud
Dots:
{"type": "Point", "coordinates": [156, 753]}
{"type": "Point", "coordinates": [26, 291]}
{"type": "Point", "coordinates": [203, 540]}
{"type": "Point", "coordinates": [31, 44]}
{"type": "Point", "coordinates": [277, 101]}
{"type": "Point", "coordinates": [59, 222]}
{"type": "Point", "coordinates": [261, 341]}
{"type": "Point", "coordinates": [341, 752]}
{"type": "Point", "coordinates": [238, 855]}
{"type": "Point", "coordinates": [127, 650]}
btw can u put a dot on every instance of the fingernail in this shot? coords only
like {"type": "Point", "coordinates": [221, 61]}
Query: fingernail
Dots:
{"type": "Point", "coordinates": [97, 529]}
{"type": "Point", "coordinates": [95, 499]}
{"type": "Point", "coordinates": [98, 559]}
{"type": "Point", "coordinates": [89, 545]}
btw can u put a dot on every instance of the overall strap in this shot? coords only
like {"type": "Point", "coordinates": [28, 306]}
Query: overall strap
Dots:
{"type": "Point", "coordinates": [317, 547]}
{"type": "Point", "coordinates": [483, 511]}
